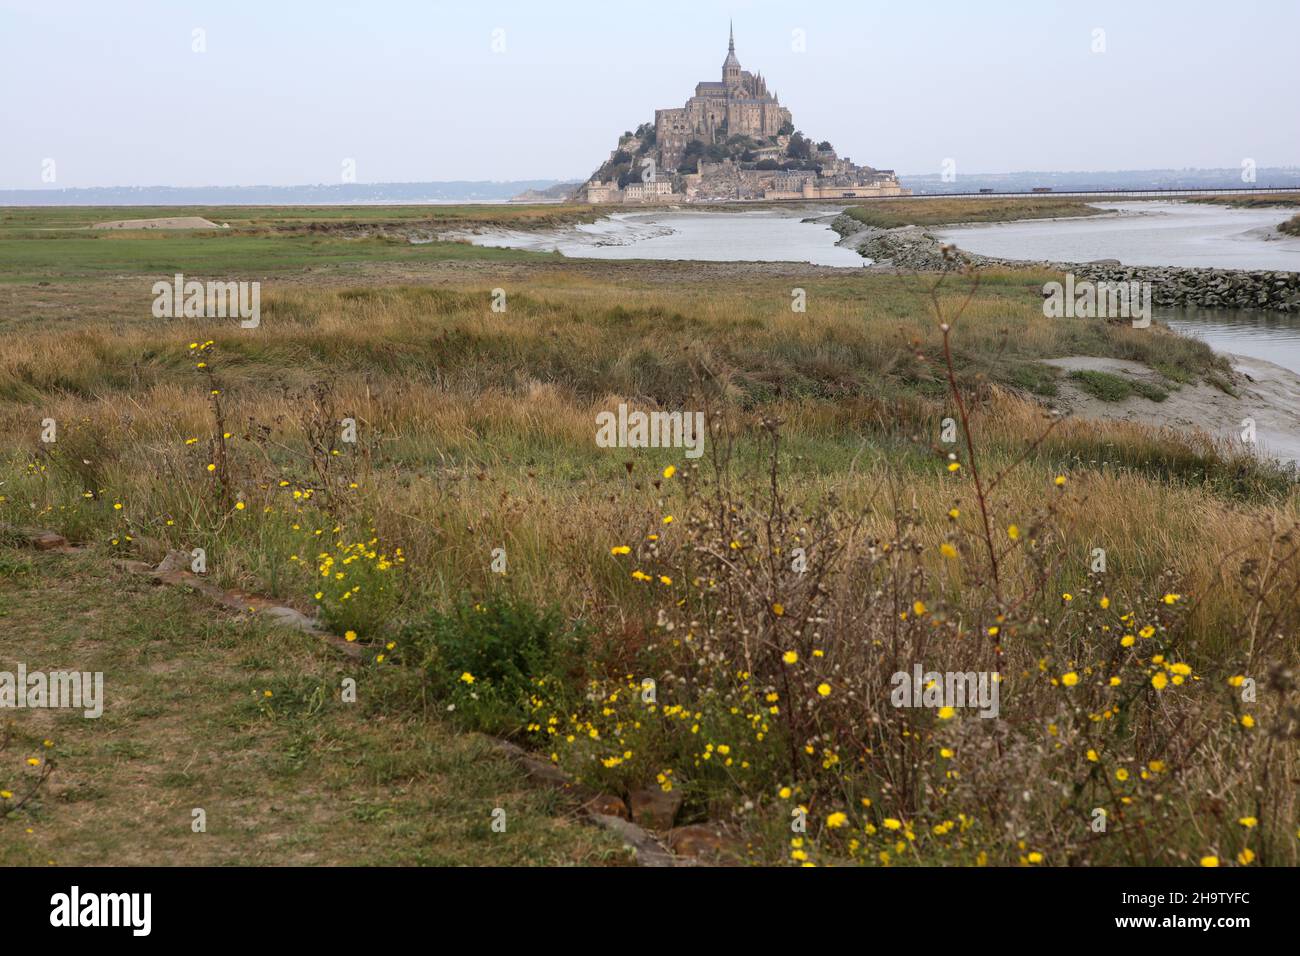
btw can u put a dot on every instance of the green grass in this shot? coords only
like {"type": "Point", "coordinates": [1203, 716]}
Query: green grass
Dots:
{"type": "Point", "coordinates": [200, 254]}
{"type": "Point", "coordinates": [477, 432]}
{"type": "Point", "coordinates": [299, 777]}
{"type": "Point", "coordinates": [1114, 388]}
{"type": "Point", "coordinates": [47, 243]}
{"type": "Point", "coordinates": [1034, 378]}
{"type": "Point", "coordinates": [890, 213]}
{"type": "Point", "coordinates": [24, 219]}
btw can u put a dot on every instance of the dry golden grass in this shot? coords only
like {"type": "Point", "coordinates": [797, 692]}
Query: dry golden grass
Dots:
{"type": "Point", "coordinates": [477, 431]}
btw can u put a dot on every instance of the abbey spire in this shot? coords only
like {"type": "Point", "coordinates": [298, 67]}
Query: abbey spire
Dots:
{"type": "Point", "coordinates": [731, 73]}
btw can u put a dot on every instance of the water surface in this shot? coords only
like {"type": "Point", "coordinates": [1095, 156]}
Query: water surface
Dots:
{"type": "Point", "coordinates": [1144, 234]}
{"type": "Point", "coordinates": [1271, 336]}
{"type": "Point", "coordinates": [757, 236]}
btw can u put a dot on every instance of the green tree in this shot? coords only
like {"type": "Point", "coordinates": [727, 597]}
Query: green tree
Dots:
{"type": "Point", "coordinates": [799, 148]}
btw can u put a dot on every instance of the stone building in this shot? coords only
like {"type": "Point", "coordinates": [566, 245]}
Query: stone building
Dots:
{"type": "Point", "coordinates": [739, 105]}
{"type": "Point", "coordinates": [644, 191]}
{"type": "Point", "coordinates": [599, 192]}
{"type": "Point", "coordinates": [731, 141]}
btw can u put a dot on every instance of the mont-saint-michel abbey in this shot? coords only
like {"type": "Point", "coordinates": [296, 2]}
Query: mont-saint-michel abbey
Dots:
{"type": "Point", "coordinates": [732, 140]}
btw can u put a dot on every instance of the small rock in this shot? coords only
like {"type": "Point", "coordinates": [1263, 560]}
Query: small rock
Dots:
{"type": "Point", "coordinates": [654, 808]}
{"type": "Point", "coordinates": [290, 618]}
{"type": "Point", "coordinates": [702, 843]}
{"type": "Point", "coordinates": [174, 561]}
{"type": "Point", "coordinates": [647, 849]}
{"type": "Point", "coordinates": [48, 541]}
{"type": "Point", "coordinates": [545, 772]}
{"type": "Point", "coordinates": [607, 804]}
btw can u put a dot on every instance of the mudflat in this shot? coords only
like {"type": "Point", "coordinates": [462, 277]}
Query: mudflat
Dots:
{"type": "Point", "coordinates": [171, 222]}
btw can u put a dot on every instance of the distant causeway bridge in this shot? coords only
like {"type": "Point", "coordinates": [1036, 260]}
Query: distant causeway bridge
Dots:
{"type": "Point", "coordinates": [1100, 193]}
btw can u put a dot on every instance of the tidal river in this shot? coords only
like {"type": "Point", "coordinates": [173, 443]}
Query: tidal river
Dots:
{"type": "Point", "coordinates": [1136, 233]}
{"type": "Point", "coordinates": [1168, 234]}
{"type": "Point", "coordinates": [1270, 336]}
{"type": "Point", "coordinates": [761, 235]}
{"type": "Point", "coordinates": [1143, 234]}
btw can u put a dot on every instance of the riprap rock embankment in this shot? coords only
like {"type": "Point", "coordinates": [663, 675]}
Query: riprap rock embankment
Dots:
{"type": "Point", "coordinates": [912, 248]}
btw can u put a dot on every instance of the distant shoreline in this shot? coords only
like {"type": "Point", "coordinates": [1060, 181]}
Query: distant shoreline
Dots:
{"type": "Point", "coordinates": [443, 192]}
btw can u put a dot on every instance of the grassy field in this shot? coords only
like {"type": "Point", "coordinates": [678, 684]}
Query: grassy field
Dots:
{"type": "Point", "coordinates": [506, 574]}
{"type": "Point", "coordinates": [35, 221]}
{"type": "Point", "coordinates": [246, 722]}
{"type": "Point", "coordinates": [58, 243]}
{"type": "Point", "coordinates": [890, 213]}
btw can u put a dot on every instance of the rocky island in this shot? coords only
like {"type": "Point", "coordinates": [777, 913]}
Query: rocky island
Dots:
{"type": "Point", "coordinates": [732, 140]}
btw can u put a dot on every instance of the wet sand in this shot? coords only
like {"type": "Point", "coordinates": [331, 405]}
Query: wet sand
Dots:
{"type": "Point", "coordinates": [1266, 393]}
{"type": "Point", "coordinates": [173, 222]}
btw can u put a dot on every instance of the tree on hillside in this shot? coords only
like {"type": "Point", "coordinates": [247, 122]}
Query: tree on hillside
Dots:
{"type": "Point", "coordinates": [690, 156]}
{"type": "Point", "coordinates": [647, 135]}
{"type": "Point", "coordinates": [716, 153]}
{"type": "Point", "coordinates": [799, 148]}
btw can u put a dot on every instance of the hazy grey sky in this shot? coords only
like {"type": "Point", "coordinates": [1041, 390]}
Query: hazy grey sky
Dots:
{"type": "Point", "coordinates": [115, 93]}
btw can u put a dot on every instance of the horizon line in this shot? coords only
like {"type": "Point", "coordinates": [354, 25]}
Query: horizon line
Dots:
{"type": "Point", "coordinates": [578, 180]}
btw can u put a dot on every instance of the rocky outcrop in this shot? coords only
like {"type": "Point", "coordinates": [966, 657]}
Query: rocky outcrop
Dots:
{"type": "Point", "coordinates": [909, 248]}
{"type": "Point", "coordinates": [913, 249]}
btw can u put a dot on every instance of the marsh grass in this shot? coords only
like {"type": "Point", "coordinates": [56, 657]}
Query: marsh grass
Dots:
{"type": "Point", "coordinates": [890, 213]}
{"type": "Point", "coordinates": [1115, 388]}
{"type": "Point", "coordinates": [476, 432]}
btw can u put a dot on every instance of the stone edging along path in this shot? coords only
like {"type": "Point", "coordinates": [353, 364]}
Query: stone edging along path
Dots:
{"type": "Point", "coordinates": [689, 845]}
{"type": "Point", "coordinates": [912, 248]}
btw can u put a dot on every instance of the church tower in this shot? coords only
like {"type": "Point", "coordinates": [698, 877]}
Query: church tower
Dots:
{"type": "Point", "coordinates": [731, 66]}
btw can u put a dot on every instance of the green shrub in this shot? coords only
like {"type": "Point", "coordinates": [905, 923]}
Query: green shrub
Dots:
{"type": "Point", "coordinates": [482, 657]}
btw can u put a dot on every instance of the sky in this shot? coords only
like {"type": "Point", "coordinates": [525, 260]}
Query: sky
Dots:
{"type": "Point", "coordinates": [282, 92]}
